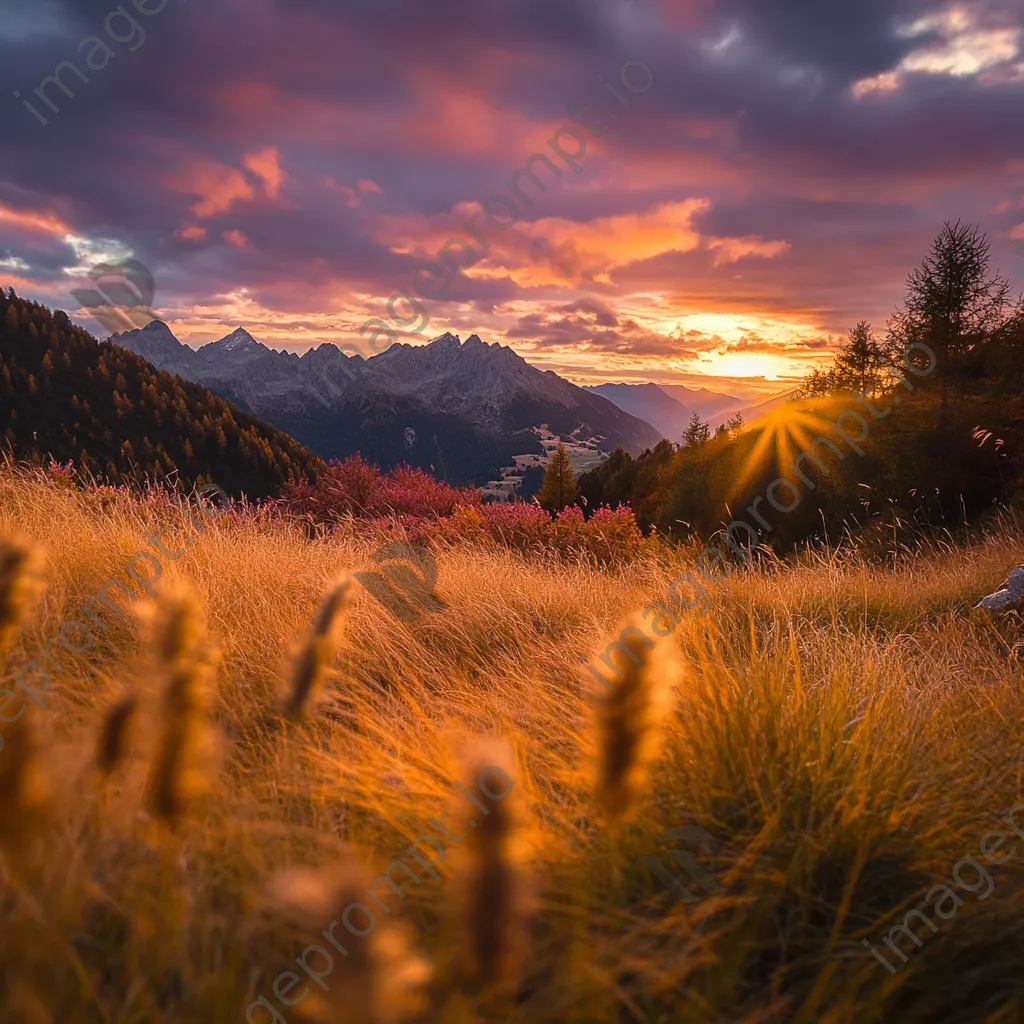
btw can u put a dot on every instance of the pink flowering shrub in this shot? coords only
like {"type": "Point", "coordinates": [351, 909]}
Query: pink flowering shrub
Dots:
{"type": "Point", "coordinates": [354, 487]}
{"type": "Point", "coordinates": [412, 492]}
{"type": "Point", "coordinates": [408, 503]}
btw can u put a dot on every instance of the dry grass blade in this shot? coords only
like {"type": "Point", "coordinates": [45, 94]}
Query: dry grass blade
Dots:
{"type": "Point", "coordinates": [316, 655]}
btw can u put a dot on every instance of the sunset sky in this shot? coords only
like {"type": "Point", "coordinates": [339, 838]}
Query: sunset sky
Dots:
{"type": "Point", "coordinates": [287, 167]}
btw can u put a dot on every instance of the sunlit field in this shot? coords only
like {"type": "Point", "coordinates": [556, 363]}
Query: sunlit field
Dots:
{"type": "Point", "coordinates": [846, 732]}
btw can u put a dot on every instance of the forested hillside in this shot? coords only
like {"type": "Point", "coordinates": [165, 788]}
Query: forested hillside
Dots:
{"type": "Point", "coordinates": [67, 396]}
{"type": "Point", "coordinates": [920, 426]}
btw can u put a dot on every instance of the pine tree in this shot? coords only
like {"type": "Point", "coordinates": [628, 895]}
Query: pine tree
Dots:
{"type": "Point", "coordinates": [559, 487]}
{"type": "Point", "coordinates": [861, 362]}
{"type": "Point", "coordinates": [953, 303]}
{"type": "Point", "coordinates": [697, 432]}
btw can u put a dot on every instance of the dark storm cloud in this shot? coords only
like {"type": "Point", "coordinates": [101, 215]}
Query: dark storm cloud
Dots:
{"type": "Point", "coordinates": [845, 40]}
{"type": "Point", "coordinates": [436, 105]}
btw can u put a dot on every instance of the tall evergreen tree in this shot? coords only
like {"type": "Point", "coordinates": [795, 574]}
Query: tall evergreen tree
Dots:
{"type": "Point", "coordinates": [559, 487]}
{"type": "Point", "coordinates": [861, 363]}
{"type": "Point", "coordinates": [953, 303]}
{"type": "Point", "coordinates": [697, 432]}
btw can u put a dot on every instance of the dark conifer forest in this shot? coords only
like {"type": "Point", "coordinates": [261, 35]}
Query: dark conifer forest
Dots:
{"type": "Point", "coordinates": [66, 396]}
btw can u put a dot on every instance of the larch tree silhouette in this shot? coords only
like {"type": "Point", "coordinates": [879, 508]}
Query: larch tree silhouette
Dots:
{"type": "Point", "coordinates": [559, 487]}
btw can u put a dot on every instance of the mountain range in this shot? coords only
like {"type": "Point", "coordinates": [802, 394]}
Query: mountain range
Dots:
{"type": "Point", "coordinates": [461, 409]}
{"type": "Point", "coordinates": [668, 407]}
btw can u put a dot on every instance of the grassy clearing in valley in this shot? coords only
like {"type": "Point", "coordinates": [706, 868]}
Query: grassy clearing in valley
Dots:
{"type": "Point", "coordinates": [846, 733]}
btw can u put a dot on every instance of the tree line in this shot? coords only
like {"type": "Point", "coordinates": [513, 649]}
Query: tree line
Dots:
{"type": "Point", "coordinates": [950, 447]}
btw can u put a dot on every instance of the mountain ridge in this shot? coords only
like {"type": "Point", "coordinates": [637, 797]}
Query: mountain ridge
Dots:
{"type": "Point", "coordinates": [469, 405]}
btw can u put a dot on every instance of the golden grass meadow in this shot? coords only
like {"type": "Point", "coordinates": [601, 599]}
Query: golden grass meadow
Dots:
{"type": "Point", "coordinates": [225, 769]}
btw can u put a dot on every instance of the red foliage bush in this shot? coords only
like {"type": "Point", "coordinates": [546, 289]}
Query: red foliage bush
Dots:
{"type": "Point", "coordinates": [354, 487]}
{"type": "Point", "coordinates": [421, 508]}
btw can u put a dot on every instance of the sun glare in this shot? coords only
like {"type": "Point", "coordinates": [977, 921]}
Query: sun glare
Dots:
{"type": "Point", "coordinates": [782, 435]}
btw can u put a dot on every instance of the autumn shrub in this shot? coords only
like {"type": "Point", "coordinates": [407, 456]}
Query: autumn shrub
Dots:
{"type": "Point", "coordinates": [406, 503]}
{"type": "Point", "coordinates": [354, 487]}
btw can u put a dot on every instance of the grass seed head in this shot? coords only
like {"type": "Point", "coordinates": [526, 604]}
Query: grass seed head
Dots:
{"type": "Point", "coordinates": [20, 583]}
{"type": "Point", "coordinates": [24, 790]}
{"type": "Point", "coordinates": [315, 657]}
{"type": "Point", "coordinates": [496, 887]}
{"type": "Point", "coordinates": [113, 741]}
{"type": "Point", "coordinates": [630, 711]}
{"type": "Point", "coordinates": [379, 979]}
{"type": "Point", "coordinates": [174, 777]}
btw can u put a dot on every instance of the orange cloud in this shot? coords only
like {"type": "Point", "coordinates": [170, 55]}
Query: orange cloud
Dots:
{"type": "Point", "coordinates": [218, 185]}
{"type": "Point", "coordinates": [615, 241]}
{"type": "Point", "coordinates": [236, 238]}
{"type": "Point", "coordinates": [573, 252]}
{"type": "Point", "coordinates": [266, 165]}
{"type": "Point", "coordinates": [34, 220]}
{"type": "Point", "coordinates": [732, 249]}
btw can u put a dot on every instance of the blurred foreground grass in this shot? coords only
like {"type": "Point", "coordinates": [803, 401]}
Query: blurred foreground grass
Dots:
{"type": "Point", "coordinates": [846, 734]}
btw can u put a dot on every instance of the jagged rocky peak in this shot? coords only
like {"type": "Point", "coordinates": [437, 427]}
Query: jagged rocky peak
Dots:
{"type": "Point", "coordinates": [155, 330]}
{"type": "Point", "coordinates": [238, 340]}
{"type": "Point", "coordinates": [447, 341]}
{"type": "Point", "coordinates": [157, 343]}
{"type": "Point", "coordinates": [159, 327]}
{"type": "Point", "coordinates": [328, 352]}
{"type": "Point", "coordinates": [237, 348]}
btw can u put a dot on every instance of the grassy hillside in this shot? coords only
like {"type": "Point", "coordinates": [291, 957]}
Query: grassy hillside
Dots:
{"type": "Point", "coordinates": [846, 734]}
{"type": "Point", "coordinates": [66, 396]}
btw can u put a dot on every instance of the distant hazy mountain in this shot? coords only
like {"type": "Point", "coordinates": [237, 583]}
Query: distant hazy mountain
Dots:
{"type": "Point", "coordinates": [752, 411]}
{"type": "Point", "coordinates": [707, 404]}
{"type": "Point", "coordinates": [462, 409]}
{"type": "Point", "coordinates": [647, 402]}
{"type": "Point", "coordinates": [667, 407]}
